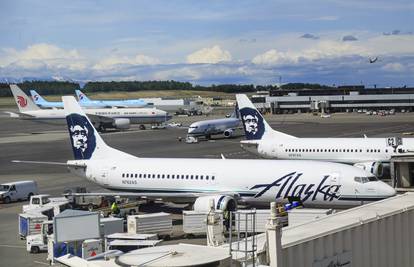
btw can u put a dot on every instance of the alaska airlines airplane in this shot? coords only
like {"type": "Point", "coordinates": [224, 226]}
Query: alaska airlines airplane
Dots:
{"type": "Point", "coordinates": [84, 101]}
{"type": "Point", "coordinates": [41, 102]}
{"type": "Point", "coordinates": [103, 118]}
{"type": "Point", "coordinates": [207, 128]}
{"type": "Point", "coordinates": [367, 153]}
{"type": "Point", "coordinates": [227, 181]}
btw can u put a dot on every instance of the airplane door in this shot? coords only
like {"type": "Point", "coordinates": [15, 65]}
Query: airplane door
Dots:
{"type": "Point", "coordinates": [104, 176]}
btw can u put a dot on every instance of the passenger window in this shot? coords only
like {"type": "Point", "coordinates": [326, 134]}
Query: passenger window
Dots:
{"type": "Point", "coordinates": [212, 178]}
{"type": "Point", "coordinates": [352, 150]}
{"type": "Point", "coordinates": [201, 177]}
{"type": "Point", "coordinates": [163, 176]}
{"type": "Point", "coordinates": [127, 175]}
{"type": "Point", "coordinates": [191, 177]}
{"type": "Point", "coordinates": [158, 176]}
{"type": "Point", "coordinates": [386, 150]}
{"type": "Point", "coordinates": [168, 176]}
{"type": "Point", "coordinates": [136, 175]}
{"type": "Point", "coordinates": [196, 177]}
{"type": "Point", "coordinates": [207, 177]}
{"type": "Point", "coordinates": [186, 177]}
{"type": "Point", "coordinates": [358, 179]}
{"type": "Point", "coordinates": [123, 175]}
{"type": "Point", "coordinates": [153, 176]}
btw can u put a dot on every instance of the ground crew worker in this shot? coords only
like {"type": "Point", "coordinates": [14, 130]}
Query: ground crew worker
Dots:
{"type": "Point", "coordinates": [114, 208]}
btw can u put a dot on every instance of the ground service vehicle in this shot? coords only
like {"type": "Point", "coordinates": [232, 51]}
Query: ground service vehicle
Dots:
{"type": "Point", "coordinates": [18, 190]}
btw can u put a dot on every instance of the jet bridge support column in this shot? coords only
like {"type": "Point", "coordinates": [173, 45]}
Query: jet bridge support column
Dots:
{"type": "Point", "coordinates": [274, 238]}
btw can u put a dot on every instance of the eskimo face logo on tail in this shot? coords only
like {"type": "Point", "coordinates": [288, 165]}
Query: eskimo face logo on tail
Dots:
{"type": "Point", "coordinates": [252, 123]}
{"type": "Point", "coordinates": [21, 101]}
{"type": "Point", "coordinates": [82, 136]}
{"type": "Point", "coordinates": [81, 96]}
{"type": "Point", "coordinates": [36, 97]}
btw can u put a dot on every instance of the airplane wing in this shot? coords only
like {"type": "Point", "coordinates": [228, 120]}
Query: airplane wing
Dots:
{"type": "Point", "coordinates": [76, 165]}
{"type": "Point", "coordinates": [18, 115]}
{"type": "Point", "coordinates": [167, 196]}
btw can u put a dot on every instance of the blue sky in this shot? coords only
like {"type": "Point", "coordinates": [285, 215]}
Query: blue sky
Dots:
{"type": "Point", "coordinates": [209, 42]}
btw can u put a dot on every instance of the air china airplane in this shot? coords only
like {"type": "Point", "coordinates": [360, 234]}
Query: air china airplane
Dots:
{"type": "Point", "coordinates": [367, 153]}
{"type": "Point", "coordinates": [102, 118]}
{"type": "Point", "coordinates": [227, 181]}
{"type": "Point", "coordinates": [84, 101]}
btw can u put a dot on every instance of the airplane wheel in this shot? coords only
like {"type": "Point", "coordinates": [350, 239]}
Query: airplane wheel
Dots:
{"type": "Point", "coordinates": [34, 250]}
{"type": "Point", "coordinates": [142, 127]}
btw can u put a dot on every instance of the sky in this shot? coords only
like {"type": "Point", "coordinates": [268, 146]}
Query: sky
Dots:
{"type": "Point", "coordinates": [209, 42]}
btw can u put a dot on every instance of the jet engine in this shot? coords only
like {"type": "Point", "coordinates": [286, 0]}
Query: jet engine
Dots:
{"type": "Point", "coordinates": [221, 202]}
{"type": "Point", "coordinates": [228, 133]}
{"type": "Point", "coordinates": [373, 167]}
{"type": "Point", "coordinates": [121, 123]}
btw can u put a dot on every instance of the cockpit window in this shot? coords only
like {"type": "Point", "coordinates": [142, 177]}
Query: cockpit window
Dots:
{"type": "Point", "coordinates": [364, 180]}
{"type": "Point", "coordinates": [193, 127]}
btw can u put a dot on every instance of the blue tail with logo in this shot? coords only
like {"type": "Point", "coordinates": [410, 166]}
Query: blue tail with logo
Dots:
{"type": "Point", "coordinates": [85, 139]}
{"type": "Point", "coordinates": [254, 124]}
{"type": "Point", "coordinates": [81, 96]}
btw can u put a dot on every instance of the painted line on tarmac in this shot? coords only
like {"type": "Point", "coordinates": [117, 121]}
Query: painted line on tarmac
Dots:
{"type": "Point", "coordinates": [12, 246]}
{"type": "Point", "coordinates": [39, 262]}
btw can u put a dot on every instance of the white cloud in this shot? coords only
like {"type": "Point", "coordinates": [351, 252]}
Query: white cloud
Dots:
{"type": "Point", "coordinates": [322, 49]}
{"type": "Point", "coordinates": [114, 61]}
{"type": "Point", "coordinates": [209, 55]}
{"type": "Point", "coordinates": [43, 54]}
{"type": "Point", "coordinates": [394, 67]}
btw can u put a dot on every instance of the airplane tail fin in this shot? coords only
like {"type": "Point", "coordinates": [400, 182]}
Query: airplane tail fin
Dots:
{"type": "Point", "coordinates": [24, 103]}
{"type": "Point", "coordinates": [81, 96]}
{"type": "Point", "coordinates": [85, 139]}
{"type": "Point", "coordinates": [36, 97]}
{"type": "Point", "coordinates": [254, 124]}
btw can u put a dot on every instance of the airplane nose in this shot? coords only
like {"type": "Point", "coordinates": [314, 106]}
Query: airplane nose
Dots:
{"type": "Point", "coordinates": [387, 190]}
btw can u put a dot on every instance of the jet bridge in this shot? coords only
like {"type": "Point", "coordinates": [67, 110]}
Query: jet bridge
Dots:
{"type": "Point", "coordinates": [402, 173]}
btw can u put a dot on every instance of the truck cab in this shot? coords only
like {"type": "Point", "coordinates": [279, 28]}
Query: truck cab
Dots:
{"type": "Point", "coordinates": [38, 243]}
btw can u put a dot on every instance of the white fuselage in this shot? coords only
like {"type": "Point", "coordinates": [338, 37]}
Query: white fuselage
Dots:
{"type": "Point", "coordinates": [211, 127]}
{"type": "Point", "coordinates": [135, 115]}
{"type": "Point", "coordinates": [255, 181]}
{"type": "Point", "coordinates": [345, 150]}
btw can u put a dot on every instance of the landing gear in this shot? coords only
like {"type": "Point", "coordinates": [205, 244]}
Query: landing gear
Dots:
{"type": "Point", "coordinates": [142, 127]}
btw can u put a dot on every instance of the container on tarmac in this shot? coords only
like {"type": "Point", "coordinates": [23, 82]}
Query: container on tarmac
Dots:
{"type": "Point", "coordinates": [91, 248]}
{"type": "Point", "coordinates": [111, 225]}
{"type": "Point", "coordinates": [195, 222]}
{"type": "Point", "coordinates": [156, 223]}
{"type": "Point", "coordinates": [30, 224]}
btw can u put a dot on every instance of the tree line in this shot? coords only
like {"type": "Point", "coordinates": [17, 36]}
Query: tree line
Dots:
{"type": "Point", "coordinates": [62, 88]}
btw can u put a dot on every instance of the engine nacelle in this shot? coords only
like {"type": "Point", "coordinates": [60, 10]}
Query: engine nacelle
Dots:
{"type": "Point", "coordinates": [221, 202]}
{"type": "Point", "coordinates": [228, 133]}
{"type": "Point", "coordinates": [373, 167]}
{"type": "Point", "coordinates": [121, 123]}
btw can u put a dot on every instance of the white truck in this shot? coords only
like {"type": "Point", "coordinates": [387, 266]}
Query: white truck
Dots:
{"type": "Point", "coordinates": [18, 190]}
{"type": "Point", "coordinates": [38, 242]}
{"type": "Point", "coordinates": [45, 201]}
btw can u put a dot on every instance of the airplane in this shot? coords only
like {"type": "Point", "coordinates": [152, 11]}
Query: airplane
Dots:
{"type": "Point", "coordinates": [225, 181]}
{"type": "Point", "coordinates": [86, 102]}
{"type": "Point", "coordinates": [371, 154]}
{"type": "Point", "coordinates": [207, 128]}
{"type": "Point", "coordinates": [41, 102]}
{"type": "Point", "coordinates": [373, 60]}
{"type": "Point", "coordinates": [102, 118]}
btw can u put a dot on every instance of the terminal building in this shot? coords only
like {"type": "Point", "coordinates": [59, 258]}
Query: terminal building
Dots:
{"type": "Point", "coordinates": [339, 99]}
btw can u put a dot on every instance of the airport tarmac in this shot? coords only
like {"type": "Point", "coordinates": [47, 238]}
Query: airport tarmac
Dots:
{"type": "Point", "coordinates": [28, 140]}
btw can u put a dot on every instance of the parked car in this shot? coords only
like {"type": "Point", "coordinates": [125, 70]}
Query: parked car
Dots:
{"type": "Point", "coordinates": [18, 190]}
